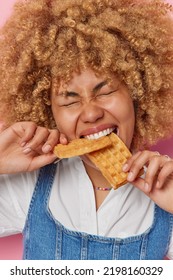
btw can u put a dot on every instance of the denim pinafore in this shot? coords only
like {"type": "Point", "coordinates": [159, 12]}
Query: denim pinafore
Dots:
{"type": "Point", "coordinates": [47, 239]}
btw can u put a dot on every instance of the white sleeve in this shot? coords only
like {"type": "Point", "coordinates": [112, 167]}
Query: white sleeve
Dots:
{"type": "Point", "coordinates": [15, 194]}
{"type": "Point", "coordinates": [170, 251]}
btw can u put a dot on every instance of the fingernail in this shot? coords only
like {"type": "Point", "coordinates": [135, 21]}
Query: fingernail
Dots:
{"type": "Point", "coordinates": [27, 150]}
{"type": "Point", "coordinates": [63, 140]}
{"type": "Point", "coordinates": [47, 148]}
{"type": "Point", "coordinates": [157, 185]}
{"type": "Point", "coordinates": [146, 186]}
{"type": "Point", "coordinates": [130, 176]}
{"type": "Point", "coordinates": [23, 144]}
{"type": "Point", "coordinates": [125, 167]}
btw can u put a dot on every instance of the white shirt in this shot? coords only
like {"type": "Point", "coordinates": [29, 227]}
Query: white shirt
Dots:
{"type": "Point", "coordinates": [124, 212]}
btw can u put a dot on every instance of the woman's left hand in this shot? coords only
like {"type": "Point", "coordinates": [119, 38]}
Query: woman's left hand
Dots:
{"type": "Point", "coordinates": [158, 180]}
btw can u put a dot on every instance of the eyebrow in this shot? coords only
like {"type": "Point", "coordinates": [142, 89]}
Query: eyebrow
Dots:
{"type": "Point", "coordinates": [95, 89]}
{"type": "Point", "coordinates": [99, 86]}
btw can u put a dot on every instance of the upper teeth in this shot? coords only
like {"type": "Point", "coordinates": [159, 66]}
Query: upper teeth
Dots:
{"type": "Point", "coordinates": [99, 134]}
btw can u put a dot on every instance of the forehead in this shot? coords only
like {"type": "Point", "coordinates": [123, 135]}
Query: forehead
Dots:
{"type": "Point", "coordinates": [86, 78]}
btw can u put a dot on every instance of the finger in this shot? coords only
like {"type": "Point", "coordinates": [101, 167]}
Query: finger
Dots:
{"type": "Point", "coordinates": [39, 138]}
{"type": "Point", "coordinates": [164, 174]}
{"type": "Point", "coordinates": [152, 171]}
{"type": "Point", "coordinates": [139, 162]}
{"type": "Point", "coordinates": [24, 130]}
{"type": "Point", "coordinates": [41, 160]}
{"type": "Point", "coordinates": [154, 167]}
{"type": "Point", "coordinates": [63, 139]}
{"type": "Point", "coordinates": [161, 197]}
{"type": "Point", "coordinates": [140, 184]}
{"type": "Point", "coordinates": [136, 164]}
{"type": "Point", "coordinates": [130, 161]}
{"type": "Point", "coordinates": [52, 140]}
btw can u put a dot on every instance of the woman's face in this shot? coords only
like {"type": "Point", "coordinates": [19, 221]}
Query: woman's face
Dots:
{"type": "Point", "coordinates": [90, 107]}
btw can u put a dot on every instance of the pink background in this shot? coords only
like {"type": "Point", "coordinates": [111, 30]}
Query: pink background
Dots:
{"type": "Point", "coordinates": [11, 247]}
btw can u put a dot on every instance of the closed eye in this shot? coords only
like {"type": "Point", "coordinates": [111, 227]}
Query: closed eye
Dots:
{"type": "Point", "coordinates": [106, 93]}
{"type": "Point", "coordinates": [68, 98]}
{"type": "Point", "coordinates": [71, 94]}
{"type": "Point", "coordinates": [69, 104]}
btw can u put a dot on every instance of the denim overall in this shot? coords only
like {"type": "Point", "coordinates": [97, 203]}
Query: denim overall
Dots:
{"type": "Point", "coordinates": [47, 239]}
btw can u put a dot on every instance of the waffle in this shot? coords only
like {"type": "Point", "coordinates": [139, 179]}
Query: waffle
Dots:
{"type": "Point", "coordinates": [108, 153]}
{"type": "Point", "coordinates": [110, 161]}
{"type": "Point", "coordinates": [80, 147]}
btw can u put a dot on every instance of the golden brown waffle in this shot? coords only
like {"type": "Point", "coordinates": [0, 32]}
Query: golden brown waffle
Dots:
{"type": "Point", "coordinates": [110, 161]}
{"type": "Point", "coordinates": [82, 146]}
{"type": "Point", "coordinates": [108, 153]}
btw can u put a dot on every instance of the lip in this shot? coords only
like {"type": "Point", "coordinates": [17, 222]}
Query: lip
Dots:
{"type": "Point", "coordinates": [96, 129]}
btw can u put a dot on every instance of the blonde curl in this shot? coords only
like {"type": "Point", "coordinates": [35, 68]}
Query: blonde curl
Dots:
{"type": "Point", "coordinates": [46, 40]}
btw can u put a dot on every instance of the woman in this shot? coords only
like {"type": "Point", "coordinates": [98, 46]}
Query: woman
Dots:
{"type": "Point", "coordinates": [76, 69]}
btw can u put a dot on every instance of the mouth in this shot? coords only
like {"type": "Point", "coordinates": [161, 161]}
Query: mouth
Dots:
{"type": "Point", "coordinates": [102, 133]}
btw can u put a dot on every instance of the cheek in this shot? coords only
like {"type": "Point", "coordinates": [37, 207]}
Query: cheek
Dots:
{"type": "Point", "coordinates": [129, 113]}
{"type": "Point", "coordinates": [127, 117]}
{"type": "Point", "coordinates": [122, 109]}
{"type": "Point", "coordinates": [65, 122]}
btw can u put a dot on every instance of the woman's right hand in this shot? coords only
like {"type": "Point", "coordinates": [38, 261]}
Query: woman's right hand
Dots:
{"type": "Point", "coordinates": [24, 146]}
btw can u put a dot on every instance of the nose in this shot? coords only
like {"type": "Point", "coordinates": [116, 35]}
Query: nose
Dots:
{"type": "Point", "coordinates": [91, 113]}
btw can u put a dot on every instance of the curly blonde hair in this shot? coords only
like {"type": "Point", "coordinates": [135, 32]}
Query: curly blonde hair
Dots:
{"type": "Point", "coordinates": [48, 39]}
